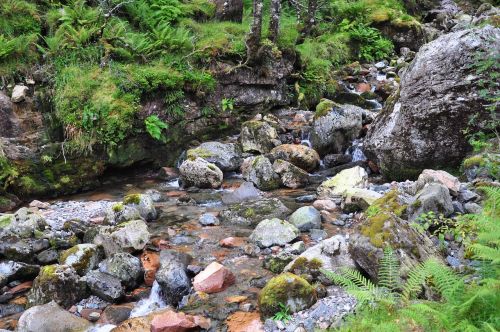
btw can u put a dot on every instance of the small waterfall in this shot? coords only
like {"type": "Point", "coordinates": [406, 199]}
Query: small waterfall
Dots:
{"type": "Point", "coordinates": [305, 137]}
{"type": "Point", "coordinates": [152, 303]}
{"type": "Point", "coordinates": [181, 159]}
{"type": "Point", "coordinates": [376, 106]}
{"type": "Point", "coordinates": [356, 151]}
{"type": "Point", "coordinates": [174, 183]}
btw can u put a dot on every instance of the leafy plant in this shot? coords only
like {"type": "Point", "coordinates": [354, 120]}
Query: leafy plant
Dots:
{"type": "Point", "coordinates": [155, 126]}
{"type": "Point", "coordinates": [227, 104]}
{"type": "Point", "coordinates": [283, 314]}
{"type": "Point", "coordinates": [372, 45]}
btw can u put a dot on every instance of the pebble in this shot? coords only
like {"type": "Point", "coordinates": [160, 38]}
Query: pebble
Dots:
{"type": "Point", "coordinates": [305, 199]}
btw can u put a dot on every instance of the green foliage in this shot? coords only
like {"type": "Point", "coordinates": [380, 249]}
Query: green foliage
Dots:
{"type": "Point", "coordinates": [227, 104]}
{"type": "Point", "coordinates": [155, 126]}
{"type": "Point", "coordinates": [8, 173]}
{"type": "Point", "coordinates": [283, 314]}
{"type": "Point", "coordinates": [372, 46]}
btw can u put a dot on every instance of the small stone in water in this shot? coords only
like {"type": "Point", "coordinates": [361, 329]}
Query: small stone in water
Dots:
{"type": "Point", "coordinates": [305, 199]}
{"type": "Point", "coordinates": [208, 219]}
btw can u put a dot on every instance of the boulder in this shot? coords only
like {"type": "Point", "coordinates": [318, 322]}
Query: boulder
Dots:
{"type": "Point", "coordinates": [355, 177]}
{"type": "Point", "coordinates": [260, 172]}
{"type": "Point", "coordinates": [299, 155]}
{"type": "Point", "coordinates": [246, 191]}
{"type": "Point", "coordinates": [289, 290]}
{"type": "Point", "coordinates": [59, 283]}
{"type": "Point", "coordinates": [333, 253]}
{"type": "Point", "coordinates": [291, 176]}
{"type": "Point", "coordinates": [105, 286]}
{"type": "Point", "coordinates": [22, 224]}
{"type": "Point", "coordinates": [359, 198]}
{"type": "Point", "coordinates": [433, 197]}
{"type": "Point", "coordinates": [172, 276]}
{"type": "Point", "coordinates": [335, 127]}
{"type": "Point", "coordinates": [200, 173]}
{"type": "Point", "coordinates": [51, 317]}
{"type": "Point", "coordinates": [19, 93]}
{"type": "Point", "coordinates": [422, 125]}
{"type": "Point", "coordinates": [82, 257]}
{"type": "Point", "coordinates": [253, 212]}
{"type": "Point", "coordinates": [215, 278]}
{"type": "Point", "coordinates": [306, 218]}
{"type": "Point", "coordinates": [226, 156]}
{"type": "Point", "coordinates": [119, 213]}
{"type": "Point", "coordinates": [258, 136]}
{"type": "Point", "coordinates": [442, 177]}
{"type": "Point", "coordinates": [270, 232]}
{"type": "Point", "coordinates": [127, 237]}
{"type": "Point", "coordinates": [125, 267]}
{"type": "Point", "coordinates": [143, 203]}
{"type": "Point", "coordinates": [12, 271]}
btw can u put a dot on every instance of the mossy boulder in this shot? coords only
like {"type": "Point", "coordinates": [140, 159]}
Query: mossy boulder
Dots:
{"type": "Point", "coordinates": [305, 218]}
{"type": "Point", "coordinates": [142, 203]}
{"type": "Point", "coordinates": [59, 283]}
{"type": "Point", "coordinates": [271, 232]}
{"type": "Point", "coordinates": [82, 257]}
{"type": "Point", "coordinates": [226, 156]}
{"type": "Point", "coordinates": [51, 317]}
{"type": "Point", "coordinates": [127, 237]}
{"type": "Point", "coordinates": [260, 172]}
{"type": "Point", "coordinates": [291, 176]}
{"type": "Point", "coordinates": [252, 212]}
{"type": "Point", "coordinates": [287, 289]}
{"type": "Point", "coordinates": [119, 213]}
{"type": "Point", "coordinates": [200, 173]}
{"type": "Point", "coordinates": [355, 177]}
{"type": "Point", "coordinates": [483, 166]}
{"type": "Point", "coordinates": [299, 155]}
{"type": "Point", "coordinates": [125, 267]}
{"type": "Point", "coordinates": [24, 223]}
{"type": "Point", "coordinates": [258, 136]}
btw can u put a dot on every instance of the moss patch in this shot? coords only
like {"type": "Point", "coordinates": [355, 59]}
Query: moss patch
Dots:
{"type": "Point", "coordinates": [323, 108]}
{"type": "Point", "coordinates": [132, 199]}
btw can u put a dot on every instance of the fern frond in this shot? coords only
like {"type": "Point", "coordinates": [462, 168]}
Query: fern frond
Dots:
{"type": "Point", "coordinates": [388, 273]}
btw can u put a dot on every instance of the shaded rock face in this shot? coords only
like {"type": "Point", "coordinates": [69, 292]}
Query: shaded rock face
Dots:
{"type": "Point", "coordinates": [433, 197]}
{"type": "Point", "coordinates": [7, 116]}
{"type": "Point", "coordinates": [172, 276]}
{"type": "Point", "coordinates": [258, 136]}
{"type": "Point", "coordinates": [125, 267]}
{"type": "Point", "coordinates": [225, 156]}
{"type": "Point", "coordinates": [422, 126]}
{"type": "Point", "coordinates": [51, 317]}
{"type": "Point", "coordinates": [260, 172]}
{"type": "Point", "coordinates": [127, 237]}
{"type": "Point", "coordinates": [291, 176]}
{"type": "Point", "coordinates": [104, 285]}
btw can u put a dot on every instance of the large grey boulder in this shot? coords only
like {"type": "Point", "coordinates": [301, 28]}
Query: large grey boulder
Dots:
{"type": "Point", "coordinates": [172, 276]}
{"type": "Point", "coordinates": [301, 156]}
{"type": "Point", "coordinates": [271, 232]}
{"type": "Point", "coordinates": [245, 192]}
{"type": "Point", "coordinates": [82, 257]}
{"type": "Point", "coordinates": [226, 156]}
{"type": "Point", "coordinates": [291, 176]}
{"type": "Point", "coordinates": [335, 127]}
{"type": "Point", "coordinates": [251, 213]}
{"type": "Point", "coordinates": [106, 286]}
{"type": "Point", "coordinates": [260, 172]}
{"type": "Point", "coordinates": [51, 317]}
{"type": "Point", "coordinates": [200, 173]}
{"type": "Point", "coordinates": [433, 197]}
{"type": "Point", "coordinates": [127, 237]}
{"type": "Point", "coordinates": [125, 267]}
{"type": "Point", "coordinates": [305, 218]}
{"type": "Point", "coordinates": [422, 125]}
{"type": "Point", "coordinates": [258, 136]}
{"type": "Point", "coordinates": [59, 283]}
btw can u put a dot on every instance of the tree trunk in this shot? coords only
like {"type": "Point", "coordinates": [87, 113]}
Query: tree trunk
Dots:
{"type": "Point", "coordinates": [253, 40]}
{"type": "Point", "coordinates": [274, 23]}
{"type": "Point", "coordinates": [310, 19]}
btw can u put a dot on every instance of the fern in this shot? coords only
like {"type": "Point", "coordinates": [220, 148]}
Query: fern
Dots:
{"type": "Point", "coordinates": [388, 273]}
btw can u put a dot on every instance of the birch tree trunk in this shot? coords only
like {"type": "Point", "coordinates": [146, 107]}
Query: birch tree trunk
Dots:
{"type": "Point", "coordinates": [253, 40]}
{"type": "Point", "coordinates": [274, 23]}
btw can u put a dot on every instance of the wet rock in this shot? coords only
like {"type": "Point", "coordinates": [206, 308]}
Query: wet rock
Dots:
{"type": "Point", "coordinates": [208, 219]}
{"type": "Point", "coordinates": [259, 171]}
{"type": "Point", "coordinates": [143, 203]}
{"type": "Point", "coordinates": [288, 289]}
{"type": "Point", "coordinates": [200, 173]}
{"type": "Point", "coordinates": [59, 283]}
{"type": "Point", "coordinates": [215, 278]}
{"type": "Point", "coordinates": [119, 213]}
{"type": "Point", "coordinates": [226, 156]}
{"type": "Point", "coordinates": [105, 286]}
{"type": "Point", "coordinates": [82, 257]}
{"type": "Point", "coordinates": [51, 317]}
{"type": "Point", "coordinates": [116, 313]}
{"type": "Point", "coordinates": [274, 231]}
{"type": "Point", "coordinates": [241, 321]}
{"type": "Point", "coordinates": [423, 125]}
{"type": "Point", "coordinates": [291, 176]}
{"type": "Point", "coordinates": [171, 321]}
{"type": "Point", "coordinates": [355, 177]}
{"type": "Point", "coordinates": [258, 136]}
{"type": "Point", "coordinates": [151, 263]}
{"type": "Point", "coordinates": [433, 197]}
{"type": "Point", "coordinates": [442, 177]}
{"type": "Point", "coordinates": [12, 271]}
{"type": "Point", "coordinates": [332, 160]}
{"type": "Point", "coordinates": [253, 212]}
{"type": "Point", "coordinates": [335, 127]}
{"type": "Point", "coordinates": [333, 253]}
{"type": "Point", "coordinates": [19, 93]}
{"type": "Point", "coordinates": [125, 267]}
{"type": "Point", "coordinates": [306, 198]}
{"type": "Point", "coordinates": [172, 276]}
{"type": "Point", "coordinates": [317, 234]}
{"type": "Point", "coordinates": [305, 218]}
{"type": "Point", "coordinates": [246, 191]}
{"type": "Point", "coordinates": [127, 237]}
{"type": "Point", "coordinates": [299, 155]}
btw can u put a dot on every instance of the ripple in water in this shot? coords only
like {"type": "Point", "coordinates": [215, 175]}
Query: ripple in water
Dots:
{"type": "Point", "coordinates": [152, 303]}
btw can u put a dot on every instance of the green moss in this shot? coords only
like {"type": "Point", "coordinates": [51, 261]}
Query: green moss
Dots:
{"type": "Point", "coordinates": [82, 258]}
{"type": "Point", "coordinates": [282, 289]}
{"type": "Point", "coordinates": [5, 220]}
{"type": "Point", "coordinates": [323, 108]}
{"type": "Point", "coordinates": [132, 199]}
{"type": "Point", "coordinates": [47, 274]}
{"type": "Point", "coordinates": [477, 160]}
{"type": "Point", "coordinates": [379, 218]}
{"type": "Point", "coordinates": [199, 152]}
{"type": "Point", "coordinates": [118, 207]}
{"type": "Point", "coordinates": [249, 213]}
{"type": "Point", "coordinates": [276, 264]}
{"type": "Point", "coordinates": [416, 204]}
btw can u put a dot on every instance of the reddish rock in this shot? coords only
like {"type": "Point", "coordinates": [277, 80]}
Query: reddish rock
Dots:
{"type": "Point", "coordinates": [23, 287]}
{"type": "Point", "coordinates": [150, 262]}
{"type": "Point", "coordinates": [215, 278]}
{"type": "Point", "coordinates": [86, 313]}
{"type": "Point", "coordinates": [327, 217]}
{"type": "Point", "coordinates": [232, 242]}
{"type": "Point", "coordinates": [138, 294]}
{"type": "Point", "coordinates": [374, 168]}
{"type": "Point", "coordinates": [115, 314]}
{"type": "Point", "coordinates": [325, 204]}
{"type": "Point", "coordinates": [363, 87]}
{"type": "Point", "coordinates": [172, 321]}
{"type": "Point", "coordinates": [244, 322]}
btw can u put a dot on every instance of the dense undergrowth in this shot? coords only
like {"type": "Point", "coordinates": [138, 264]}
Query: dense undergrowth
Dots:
{"type": "Point", "coordinates": [451, 302]}
{"type": "Point", "coordinates": [102, 58]}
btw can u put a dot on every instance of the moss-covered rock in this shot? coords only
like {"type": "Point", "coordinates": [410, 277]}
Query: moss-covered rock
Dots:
{"type": "Point", "coordinates": [287, 289]}
{"type": "Point", "coordinates": [250, 213]}
{"type": "Point", "coordinates": [82, 257]}
{"type": "Point", "coordinates": [258, 136]}
{"type": "Point", "coordinates": [299, 155]}
{"type": "Point", "coordinates": [143, 204]}
{"type": "Point", "coordinates": [226, 156]}
{"type": "Point", "coordinates": [260, 172]}
{"type": "Point", "coordinates": [200, 173]}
